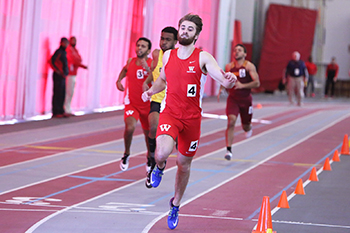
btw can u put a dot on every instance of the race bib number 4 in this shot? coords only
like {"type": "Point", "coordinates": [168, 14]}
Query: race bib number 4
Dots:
{"type": "Point", "coordinates": [191, 90]}
{"type": "Point", "coordinates": [194, 145]}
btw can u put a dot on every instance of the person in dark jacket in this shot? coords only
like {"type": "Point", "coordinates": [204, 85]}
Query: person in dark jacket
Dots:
{"type": "Point", "coordinates": [296, 75]}
{"type": "Point", "coordinates": [60, 67]}
{"type": "Point", "coordinates": [331, 77]}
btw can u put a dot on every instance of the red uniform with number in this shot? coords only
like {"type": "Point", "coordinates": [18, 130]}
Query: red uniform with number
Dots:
{"type": "Point", "coordinates": [239, 101]}
{"type": "Point", "coordinates": [181, 116]}
{"type": "Point", "coordinates": [134, 105]}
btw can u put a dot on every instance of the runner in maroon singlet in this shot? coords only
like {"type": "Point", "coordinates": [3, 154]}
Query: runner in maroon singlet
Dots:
{"type": "Point", "coordinates": [239, 100]}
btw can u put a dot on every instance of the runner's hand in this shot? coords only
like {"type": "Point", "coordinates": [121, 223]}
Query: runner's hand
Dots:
{"type": "Point", "coordinates": [119, 86]}
{"type": "Point", "coordinates": [229, 79]}
{"type": "Point", "coordinates": [146, 96]}
{"type": "Point", "coordinates": [229, 76]}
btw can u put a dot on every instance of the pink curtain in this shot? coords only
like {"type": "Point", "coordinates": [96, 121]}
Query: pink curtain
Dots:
{"type": "Point", "coordinates": [106, 31]}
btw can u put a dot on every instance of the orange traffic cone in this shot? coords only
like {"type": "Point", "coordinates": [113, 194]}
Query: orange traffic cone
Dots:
{"type": "Point", "coordinates": [258, 106]}
{"type": "Point", "coordinates": [300, 188]}
{"type": "Point", "coordinates": [345, 146]}
{"type": "Point", "coordinates": [327, 165]}
{"type": "Point", "coordinates": [283, 203]}
{"type": "Point", "coordinates": [336, 156]}
{"type": "Point", "coordinates": [265, 221]}
{"type": "Point", "coordinates": [313, 175]}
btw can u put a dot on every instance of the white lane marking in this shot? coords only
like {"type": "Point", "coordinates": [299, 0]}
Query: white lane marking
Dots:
{"type": "Point", "coordinates": [312, 224]}
{"type": "Point", "coordinates": [224, 117]}
{"type": "Point", "coordinates": [148, 227]}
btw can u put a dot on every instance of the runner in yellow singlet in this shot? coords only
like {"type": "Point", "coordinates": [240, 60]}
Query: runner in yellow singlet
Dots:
{"type": "Point", "coordinates": [168, 40]}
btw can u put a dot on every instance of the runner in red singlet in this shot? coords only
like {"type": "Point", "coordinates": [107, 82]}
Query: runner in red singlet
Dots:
{"type": "Point", "coordinates": [239, 100]}
{"type": "Point", "coordinates": [183, 76]}
{"type": "Point", "coordinates": [136, 70]}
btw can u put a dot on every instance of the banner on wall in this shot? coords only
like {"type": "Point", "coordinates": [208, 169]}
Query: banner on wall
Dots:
{"type": "Point", "coordinates": [287, 29]}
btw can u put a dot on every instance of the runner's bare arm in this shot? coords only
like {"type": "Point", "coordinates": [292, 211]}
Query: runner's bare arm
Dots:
{"type": "Point", "coordinates": [160, 83]}
{"type": "Point", "coordinates": [122, 75]}
{"type": "Point", "coordinates": [210, 66]}
{"type": "Point", "coordinates": [149, 79]}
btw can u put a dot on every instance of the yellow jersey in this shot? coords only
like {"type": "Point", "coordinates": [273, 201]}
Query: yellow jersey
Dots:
{"type": "Point", "coordinates": [156, 72]}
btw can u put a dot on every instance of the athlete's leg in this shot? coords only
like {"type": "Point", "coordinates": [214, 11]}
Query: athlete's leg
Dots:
{"type": "Point", "coordinates": [153, 119]}
{"type": "Point", "coordinates": [246, 128]}
{"type": "Point", "coordinates": [165, 145]}
{"type": "Point", "coordinates": [146, 133]}
{"type": "Point", "coordinates": [246, 113]}
{"type": "Point", "coordinates": [130, 124]}
{"type": "Point", "coordinates": [231, 121]}
{"type": "Point", "coordinates": [182, 177]}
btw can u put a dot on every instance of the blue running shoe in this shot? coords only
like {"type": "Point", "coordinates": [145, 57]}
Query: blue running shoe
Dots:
{"type": "Point", "coordinates": [173, 218]}
{"type": "Point", "coordinates": [156, 177]}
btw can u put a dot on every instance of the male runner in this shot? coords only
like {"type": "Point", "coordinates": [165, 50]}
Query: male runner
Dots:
{"type": "Point", "coordinates": [168, 40]}
{"type": "Point", "coordinates": [183, 76]}
{"type": "Point", "coordinates": [136, 70]}
{"type": "Point", "coordinates": [239, 100]}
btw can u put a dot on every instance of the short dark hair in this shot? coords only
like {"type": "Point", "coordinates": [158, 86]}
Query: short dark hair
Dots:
{"type": "Point", "coordinates": [194, 19]}
{"type": "Point", "coordinates": [147, 40]}
{"type": "Point", "coordinates": [241, 45]}
{"type": "Point", "coordinates": [64, 39]}
{"type": "Point", "coordinates": [171, 30]}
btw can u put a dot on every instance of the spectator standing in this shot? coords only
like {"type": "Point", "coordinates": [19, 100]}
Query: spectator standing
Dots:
{"type": "Point", "coordinates": [59, 64]}
{"type": "Point", "coordinates": [312, 70]}
{"type": "Point", "coordinates": [331, 77]}
{"type": "Point", "coordinates": [296, 75]}
{"type": "Point", "coordinates": [74, 62]}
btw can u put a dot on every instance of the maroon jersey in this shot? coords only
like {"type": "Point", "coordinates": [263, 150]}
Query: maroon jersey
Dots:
{"type": "Point", "coordinates": [243, 76]}
{"type": "Point", "coordinates": [185, 86]}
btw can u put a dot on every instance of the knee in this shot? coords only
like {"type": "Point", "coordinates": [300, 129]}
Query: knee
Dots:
{"type": "Point", "coordinates": [183, 167]}
{"type": "Point", "coordinates": [162, 153]}
{"type": "Point", "coordinates": [246, 128]}
{"type": "Point", "coordinates": [153, 129]}
{"type": "Point", "coordinates": [129, 128]}
{"type": "Point", "coordinates": [231, 121]}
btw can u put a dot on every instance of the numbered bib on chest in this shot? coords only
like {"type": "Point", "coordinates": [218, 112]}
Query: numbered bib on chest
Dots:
{"type": "Point", "coordinates": [139, 74]}
{"type": "Point", "coordinates": [191, 90]}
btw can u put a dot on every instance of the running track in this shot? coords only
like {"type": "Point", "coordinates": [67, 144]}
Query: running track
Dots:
{"type": "Point", "coordinates": [65, 176]}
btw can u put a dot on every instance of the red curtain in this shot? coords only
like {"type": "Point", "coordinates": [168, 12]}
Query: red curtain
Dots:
{"type": "Point", "coordinates": [136, 26]}
{"type": "Point", "coordinates": [287, 29]}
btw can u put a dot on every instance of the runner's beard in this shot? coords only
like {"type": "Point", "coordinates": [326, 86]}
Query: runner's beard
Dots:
{"type": "Point", "coordinates": [239, 58]}
{"type": "Point", "coordinates": [185, 41]}
{"type": "Point", "coordinates": [142, 55]}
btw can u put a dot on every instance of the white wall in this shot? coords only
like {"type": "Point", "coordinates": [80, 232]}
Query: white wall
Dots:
{"type": "Point", "coordinates": [337, 40]}
{"type": "Point", "coordinates": [245, 14]}
{"type": "Point", "coordinates": [336, 34]}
